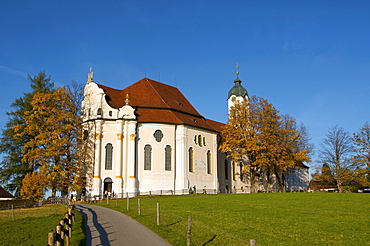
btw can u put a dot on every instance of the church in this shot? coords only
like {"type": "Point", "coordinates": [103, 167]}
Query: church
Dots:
{"type": "Point", "coordinates": [149, 139]}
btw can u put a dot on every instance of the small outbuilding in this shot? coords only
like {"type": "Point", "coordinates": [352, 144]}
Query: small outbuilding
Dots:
{"type": "Point", "coordinates": [5, 195]}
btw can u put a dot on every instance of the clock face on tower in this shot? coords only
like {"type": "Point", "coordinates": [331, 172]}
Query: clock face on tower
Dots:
{"type": "Point", "coordinates": [233, 99]}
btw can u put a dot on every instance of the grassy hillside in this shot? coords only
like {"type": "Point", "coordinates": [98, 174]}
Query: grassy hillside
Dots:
{"type": "Point", "coordinates": [270, 219]}
{"type": "Point", "coordinates": [31, 226]}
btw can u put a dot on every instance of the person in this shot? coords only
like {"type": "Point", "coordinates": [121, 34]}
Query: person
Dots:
{"type": "Point", "coordinates": [195, 189]}
{"type": "Point", "coordinates": [109, 194]}
{"type": "Point", "coordinates": [227, 189]}
{"type": "Point", "coordinates": [205, 190]}
{"type": "Point", "coordinates": [113, 194]}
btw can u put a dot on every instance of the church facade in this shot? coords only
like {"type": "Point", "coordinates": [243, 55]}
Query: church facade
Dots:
{"type": "Point", "coordinates": [148, 138]}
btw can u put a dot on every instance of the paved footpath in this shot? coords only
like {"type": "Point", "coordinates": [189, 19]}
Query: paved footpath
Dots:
{"type": "Point", "coordinates": [108, 227]}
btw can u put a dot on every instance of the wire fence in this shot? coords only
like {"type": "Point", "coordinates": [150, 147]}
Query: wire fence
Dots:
{"type": "Point", "coordinates": [18, 204]}
{"type": "Point", "coordinates": [203, 232]}
{"type": "Point", "coordinates": [92, 198]}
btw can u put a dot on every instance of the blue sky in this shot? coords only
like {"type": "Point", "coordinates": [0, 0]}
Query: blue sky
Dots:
{"type": "Point", "coordinates": [308, 58]}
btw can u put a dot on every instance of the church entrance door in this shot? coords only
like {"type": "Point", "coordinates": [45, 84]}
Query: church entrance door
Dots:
{"type": "Point", "coordinates": [107, 185]}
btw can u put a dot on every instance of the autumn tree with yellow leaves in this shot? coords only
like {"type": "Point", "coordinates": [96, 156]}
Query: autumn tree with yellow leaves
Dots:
{"type": "Point", "coordinates": [271, 144]}
{"type": "Point", "coordinates": [33, 186]}
{"type": "Point", "coordinates": [56, 127]}
{"type": "Point", "coordinates": [361, 156]}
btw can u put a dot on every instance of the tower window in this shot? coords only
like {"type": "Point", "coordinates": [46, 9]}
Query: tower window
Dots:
{"type": "Point", "coordinates": [234, 170]}
{"type": "Point", "coordinates": [108, 156]}
{"type": "Point", "coordinates": [147, 157]}
{"type": "Point", "coordinates": [226, 170]}
{"type": "Point", "coordinates": [241, 171]}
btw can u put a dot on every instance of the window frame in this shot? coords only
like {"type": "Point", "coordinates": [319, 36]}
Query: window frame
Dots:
{"type": "Point", "coordinates": [108, 156]}
{"type": "Point", "coordinates": [191, 159]}
{"type": "Point", "coordinates": [168, 158]}
{"type": "Point", "coordinates": [209, 162]}
{"type": "Point", "coordinates": [147, 157]}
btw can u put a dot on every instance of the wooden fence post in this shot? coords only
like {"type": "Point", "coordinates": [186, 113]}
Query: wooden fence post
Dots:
{"type": "Point", "coordinates": [188, 241]}
{"type": "Point", "coordinates": [158, 214]}
{"type": "Point", "coordinates": [62, 231]}
{"type": "Point", "coordinates": [66, 236]}
{"type": "Point", "coordinates": [58, 236]}
{"type": "Point", "coordinates": [138, 207]}
{"type": "Point", "coordinates": [69, 223]}
{"type": "Point", "coordinates": [252, 242]}
{"type": "Point", "coordinates": [12, 212]}
{"type": "Point", "coordinates": [73, 213]}
{"type": "Point", "coordinates": [51, 239]}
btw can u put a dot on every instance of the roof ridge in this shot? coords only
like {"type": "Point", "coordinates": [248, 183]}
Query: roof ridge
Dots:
{"type": "Point", "coordinates": [168, 106]}
{"type": "Point", "coordinates": [157, 91]}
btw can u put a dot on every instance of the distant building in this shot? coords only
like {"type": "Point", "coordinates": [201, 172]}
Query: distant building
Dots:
{"type": "Point", "coordinates": [298, 179]}
{"type": "Point", "coordinates": [5, 195]}
{"type": "Point", "coordinates": [148, 137]}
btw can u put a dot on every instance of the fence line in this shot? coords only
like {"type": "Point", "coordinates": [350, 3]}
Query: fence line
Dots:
{"type": "Point", "coordinates": [63, 232]}
{"type": "Point", "coordinates": [158, 212]}
{"type": "Point", "coordinates": [92, 198]}
{"type": "Point", "coordinates": [15, 204]}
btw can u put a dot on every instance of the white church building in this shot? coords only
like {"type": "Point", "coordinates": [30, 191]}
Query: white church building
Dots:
{"type": "Point", "coordinates": [149, 139]}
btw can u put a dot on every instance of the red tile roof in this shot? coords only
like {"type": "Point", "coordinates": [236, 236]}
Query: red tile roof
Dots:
{"type": "Point", "coordinates": [156, 102]}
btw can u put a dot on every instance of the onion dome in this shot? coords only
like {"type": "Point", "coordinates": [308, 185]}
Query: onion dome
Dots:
{"type": "Point", "coordinates": [237, 90]}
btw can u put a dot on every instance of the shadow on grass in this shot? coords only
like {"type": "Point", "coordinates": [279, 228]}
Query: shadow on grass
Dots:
{"type": "Point", "coordinates": [174, 223]}
{"type": "Point", "coordinates": [209, 241]}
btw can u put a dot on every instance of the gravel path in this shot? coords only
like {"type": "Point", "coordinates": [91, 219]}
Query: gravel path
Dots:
{"type": "Point", "coordinates": [108, 227]}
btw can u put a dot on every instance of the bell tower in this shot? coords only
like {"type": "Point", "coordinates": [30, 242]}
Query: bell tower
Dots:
{"type": "Point", "coordinates": [236, 93]}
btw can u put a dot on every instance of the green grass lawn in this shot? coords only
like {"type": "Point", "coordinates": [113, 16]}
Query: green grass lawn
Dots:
{"type": "Point", "coordinates": [31, 226]}
{"type": "Point", "coordinates": [269, 218]}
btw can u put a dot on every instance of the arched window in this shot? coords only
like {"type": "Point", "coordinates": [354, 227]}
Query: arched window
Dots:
{"type": "Point", "coordinates": [209, 160]}
{"type": "Point", "coordinates": [191, 159]}
{"type": "Point", "coordinates": [167, 153]}
{"type": "Point", "coordinates": [108, 156]}
{"type": "Point", "coordinates": [226, 170]}
{"type": "Point", "coordinates": [147, 157]}
{"type": "Point", "coordinates": [234, 170]}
